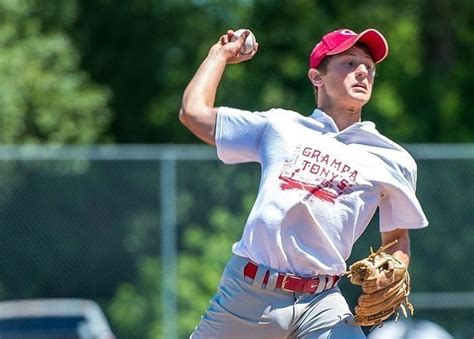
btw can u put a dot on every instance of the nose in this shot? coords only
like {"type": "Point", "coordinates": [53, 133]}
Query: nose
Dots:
{"type": "Point", "coordinates": [361, 71]}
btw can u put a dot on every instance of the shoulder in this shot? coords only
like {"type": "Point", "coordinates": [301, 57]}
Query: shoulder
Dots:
{"type": "Point", "coordinates": [400, 155]}
{"type": "Point", "coordinates": [391, 152]}
{"type": "Point", "coordinates": [271, 113]}
{"type": "Point", "coordinates": [281, 113]}
{"type": "Point", "coordinates": [277, 116]}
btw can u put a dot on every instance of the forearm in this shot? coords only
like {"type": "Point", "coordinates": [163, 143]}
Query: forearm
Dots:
{"type": "Point", "coordinates": [201, 90]}
{"type": "Point", "coordinates": [401, 249]}
{"type": "Point", "coordinates": [197, 111]}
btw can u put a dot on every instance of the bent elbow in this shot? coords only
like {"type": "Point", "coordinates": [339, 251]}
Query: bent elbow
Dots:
{"type": "Point", "coordinates": [182, 115]}
{"type": "Point", "coordinates": [200, 121]}
{"type": "Point", "coordinates": [190, 114]}
{"type": "Point", "coordinates": [187, 115]}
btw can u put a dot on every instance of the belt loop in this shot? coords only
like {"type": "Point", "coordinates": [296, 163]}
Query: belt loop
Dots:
{"type": "Point", "coordinates": [332, 281]}
{"type": "Point", "coordinates": [322, 283]}
{"type": "Point", "coordinates": [329, 283]}
{"type": "Point", "coordinates": [259, 276]}
{"type": "Point", "coordinates": [272, 279]}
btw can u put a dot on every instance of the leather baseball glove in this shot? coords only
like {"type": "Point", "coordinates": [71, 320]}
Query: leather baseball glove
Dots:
{"type": "Point", "coordinates": [385, 287]}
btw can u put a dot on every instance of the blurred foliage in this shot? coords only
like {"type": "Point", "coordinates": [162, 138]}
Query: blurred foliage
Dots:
{"type": "Point", "coordinates": [85, 71]}
{"type": "Point", "coordinates": [44, 95]}
{"type": "Point", "coordinates": [146, 51]}
{"type": "Point", "coordinates": [225, 194]}
{"type": "Point", "coordinates": [59, 225]}
{"type": "Point", "coordinates": [231, 192]}
{"type": "Point", "coordinates": [89, 71]}
{"type": "Point", "coordinates": [136, 308]}
{"type": "Point", "coordinates": [93, 232]}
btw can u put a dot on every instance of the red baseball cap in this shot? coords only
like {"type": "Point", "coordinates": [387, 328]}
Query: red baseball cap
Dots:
{"type": "Point", "coordinates": [341, 40]}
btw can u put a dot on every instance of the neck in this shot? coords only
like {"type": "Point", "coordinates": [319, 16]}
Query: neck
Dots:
{"type": "Point", "coordinates": [343, 116]}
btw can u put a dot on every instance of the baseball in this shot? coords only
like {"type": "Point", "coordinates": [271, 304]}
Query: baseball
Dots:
{"type": "Point", "coordinates": [249, 45]}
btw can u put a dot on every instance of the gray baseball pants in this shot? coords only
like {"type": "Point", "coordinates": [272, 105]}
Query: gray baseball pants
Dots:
{"type": "Point", "coordinates": [243, 309]}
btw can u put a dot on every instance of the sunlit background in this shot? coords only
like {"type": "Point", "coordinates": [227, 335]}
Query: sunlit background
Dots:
{"type": "Point", "coordinates": [107, 197]}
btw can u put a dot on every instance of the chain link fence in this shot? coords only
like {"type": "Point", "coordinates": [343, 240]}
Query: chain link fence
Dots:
{"type": "Point", "coordinates": [146, 230]}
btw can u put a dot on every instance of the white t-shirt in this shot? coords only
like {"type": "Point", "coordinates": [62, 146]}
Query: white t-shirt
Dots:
{"type": "Point", "coordinates": [319, 187]}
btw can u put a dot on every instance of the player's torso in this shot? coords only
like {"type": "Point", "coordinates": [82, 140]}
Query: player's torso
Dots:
{"type": "Point", "coordinates": [298, 156]}
{"type": "Point", "coordinates": [315, 188]}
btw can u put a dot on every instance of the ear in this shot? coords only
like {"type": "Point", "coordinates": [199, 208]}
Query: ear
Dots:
{"type": "Point", "coordinates": [315, 77]}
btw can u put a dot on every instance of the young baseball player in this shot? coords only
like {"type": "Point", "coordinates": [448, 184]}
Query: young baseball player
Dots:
{"type": "Point", "coordinates": [323, 177]}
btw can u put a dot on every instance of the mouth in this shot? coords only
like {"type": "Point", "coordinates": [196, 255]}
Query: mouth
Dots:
{"type": "Point", "coordinates": [360, 85]}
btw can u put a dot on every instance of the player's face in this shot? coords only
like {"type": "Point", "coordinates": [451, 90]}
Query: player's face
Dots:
{"type": "Point", "coordinates": [350, 76]}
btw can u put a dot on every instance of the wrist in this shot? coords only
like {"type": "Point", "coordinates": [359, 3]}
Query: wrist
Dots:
{"type": "Point", "coordinates": [402, 256]}
{"type": "Point", "coordinates": [217, 56]}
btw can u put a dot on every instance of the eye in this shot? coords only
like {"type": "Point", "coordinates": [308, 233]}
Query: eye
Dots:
{"type": "Point", "coordinates": [370, 69]}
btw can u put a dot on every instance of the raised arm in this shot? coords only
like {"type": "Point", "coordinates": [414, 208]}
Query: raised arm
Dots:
{"type": "Point", "coordinates": [197, 111]}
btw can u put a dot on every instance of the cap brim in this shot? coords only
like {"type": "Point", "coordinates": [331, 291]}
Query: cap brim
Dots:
{"type": "Point", "coordinates": [374, 41]}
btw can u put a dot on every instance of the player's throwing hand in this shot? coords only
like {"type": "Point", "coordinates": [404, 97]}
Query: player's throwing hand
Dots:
{"type": "Point", "coordinates": [235, 48]}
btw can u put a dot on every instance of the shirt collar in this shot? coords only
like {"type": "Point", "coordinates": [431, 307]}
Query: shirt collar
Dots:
{"type": "Point", "coordinates": [330, 124]}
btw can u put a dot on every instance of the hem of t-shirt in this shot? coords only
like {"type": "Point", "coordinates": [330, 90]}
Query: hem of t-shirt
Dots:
{"type": "Point", "coordinates": [393, 227]}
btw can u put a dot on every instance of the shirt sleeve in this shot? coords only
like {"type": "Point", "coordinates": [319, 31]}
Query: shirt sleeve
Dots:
{"type": "Point", "coordinates": [239, 134]}
{"type": "Point", "coordinates": [400, 207]}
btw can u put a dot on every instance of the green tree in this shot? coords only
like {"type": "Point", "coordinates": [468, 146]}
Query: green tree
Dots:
{"type": "Point", "coordinates": [144, 52]}
{"type": "Point", "coordinates": [44, 95]}
{"type": "Point", "coordinates": [205, 239]}
{"type": "Point", "coordinates": [147, 51]}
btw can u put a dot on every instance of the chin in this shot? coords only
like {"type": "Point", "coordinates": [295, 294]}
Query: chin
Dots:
{"type": "Point", "coordinates": [360, 100]}
{"type": "Point", "coordinates": [360, 95]}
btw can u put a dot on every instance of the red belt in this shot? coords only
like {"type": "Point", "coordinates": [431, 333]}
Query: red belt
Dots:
{"type": "Point", "coordinates": [292, 283]}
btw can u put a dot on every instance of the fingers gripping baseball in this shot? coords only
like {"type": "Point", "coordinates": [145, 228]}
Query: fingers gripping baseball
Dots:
{"type": "Point", "coordinates": [237, 46]}
{"type": "Point", "coordinates": [246, 39]}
